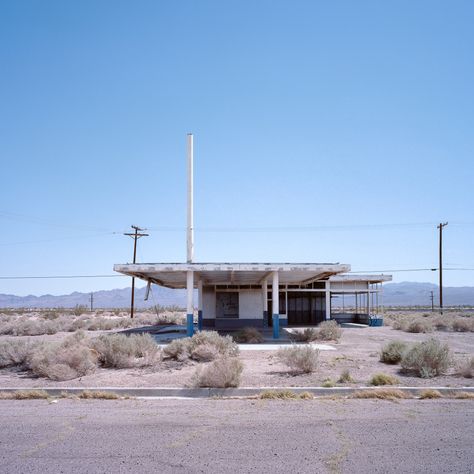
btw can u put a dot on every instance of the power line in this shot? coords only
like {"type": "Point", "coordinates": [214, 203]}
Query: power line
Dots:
{"type": "Point", "coordinates": [32, 277]}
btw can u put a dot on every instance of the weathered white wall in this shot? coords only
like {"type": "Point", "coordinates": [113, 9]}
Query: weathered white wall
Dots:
{"type": "Point", "coordinates": [208, 302]}
{"type": "Point", "coordinates": [352, 286]}
{"type": "Point", "coordinates": [250, 304]}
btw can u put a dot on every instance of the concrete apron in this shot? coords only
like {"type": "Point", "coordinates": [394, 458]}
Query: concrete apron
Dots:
{"type": "Point", "coordinates": [177, 392]}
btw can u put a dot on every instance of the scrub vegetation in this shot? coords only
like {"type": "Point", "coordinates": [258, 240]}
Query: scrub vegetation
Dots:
{"type": "Point", "coordinates": [223, 372]}
{"type": "Point", "coordinates": [427, 359]}
{"type": "Point", "coordinates": [428, 322]}
{"type": "Point", "coordinates": [325, 331]}
{"type": "Point", "coordinates": [392, 352]}
{"type": "Point", "coordinates": [248, 335]}
{"type": "Point", "coordinates": [383, 379]}
{"type": "Point", "coordinates": [203, 346]}
{"type": "Point", "coordinates": [300, 359]}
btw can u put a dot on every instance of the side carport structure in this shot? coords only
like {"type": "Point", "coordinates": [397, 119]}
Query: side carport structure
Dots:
{"type": "Point", "coordinates": [233, 295]}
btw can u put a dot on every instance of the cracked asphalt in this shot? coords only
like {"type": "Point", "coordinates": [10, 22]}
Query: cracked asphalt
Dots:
{"type": "Point", "coordinates": [237, 436]}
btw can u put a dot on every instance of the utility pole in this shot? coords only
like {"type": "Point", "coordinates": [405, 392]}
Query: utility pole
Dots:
{"type": "Point", "coordinates": [440, 227]}
{"type": "Point", "coordinates": [135, 236]}
{"type": "Point", "coordinates": [432, 301]}
{"type": "Point", "coordinates": [92, 301]}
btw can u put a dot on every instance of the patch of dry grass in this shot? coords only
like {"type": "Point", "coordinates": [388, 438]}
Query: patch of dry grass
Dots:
{"type": "Point", "coordinates": [381, 394]}
{"type": "Point", "coordinates": [430, 393]}
{"type": "Point", "coordinates": [284, 395]}
{"type": "Point", "coordinates": [392, 352]}
{"type": "Point", "coordinates": [24, 395]}
{"type": "Point", "coordinates": [346, 377]}
{"type": "Point", "coordinates": [467, 369]}
{"type": "Point", "coordinates": [463, 395]}
{"type": "Point", "coordinates": [98, 394]}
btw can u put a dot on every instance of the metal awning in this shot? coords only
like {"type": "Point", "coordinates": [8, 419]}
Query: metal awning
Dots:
{"type": "Point", "coordinates": [173, 275]}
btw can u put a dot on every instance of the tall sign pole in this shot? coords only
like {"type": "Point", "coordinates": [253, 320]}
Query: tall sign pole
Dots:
{"type": "Point", "coordinates": [440, 227]}
{"type": "Point", "coordinates": [135, 236]}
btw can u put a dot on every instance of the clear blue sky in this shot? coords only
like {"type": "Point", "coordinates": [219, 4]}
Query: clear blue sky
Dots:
{"type": "Point", "coordinates": [305, 113]}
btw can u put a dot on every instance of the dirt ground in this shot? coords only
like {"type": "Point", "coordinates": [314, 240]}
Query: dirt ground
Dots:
{"type": "Point", "coordinates": [357, 351]}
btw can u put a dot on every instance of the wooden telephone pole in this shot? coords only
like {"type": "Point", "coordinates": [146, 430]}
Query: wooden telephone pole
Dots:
{"type": "Point", "coordinates": [135, 236]}
{"type": "Point", "coordinates": [440, 227]}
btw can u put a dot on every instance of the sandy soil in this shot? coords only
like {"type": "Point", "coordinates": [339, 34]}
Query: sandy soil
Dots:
{"type": "Point", "coordinates": [357, 351]}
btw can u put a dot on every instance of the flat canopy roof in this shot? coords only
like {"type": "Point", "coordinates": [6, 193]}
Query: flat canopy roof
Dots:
{"type": "Point", "coordinates": [357, 278]}
{"type": "Point", "coordinates": [173, 275]}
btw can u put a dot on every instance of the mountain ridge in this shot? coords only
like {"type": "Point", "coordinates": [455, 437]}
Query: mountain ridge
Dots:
{"type": "Point", "coordinates": [394, 294]}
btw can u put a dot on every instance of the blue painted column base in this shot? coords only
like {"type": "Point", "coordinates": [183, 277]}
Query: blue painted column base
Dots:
{"type": "Point", "coordinates": [276, 326]}
{"type": "Point", "coordinates": [189, 325]}
{"type": "Point", "coordinates": [200, 320]}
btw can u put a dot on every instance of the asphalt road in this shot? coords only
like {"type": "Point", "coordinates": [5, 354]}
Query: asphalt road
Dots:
{"type": "Point", "coordinates": [234, 436]}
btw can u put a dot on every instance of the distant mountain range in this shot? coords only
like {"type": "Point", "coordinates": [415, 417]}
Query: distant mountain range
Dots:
{"type": "Point", "coordinates": [394, 294]}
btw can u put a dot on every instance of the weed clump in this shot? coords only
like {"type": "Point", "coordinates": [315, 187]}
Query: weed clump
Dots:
{"type": "Point", "coordinates": [427, 359]}
{"type": "Point", "coordinates": [430, 393]}
{"type": "Point", "coordinates": [329, 331]}
{"type": "Point", "coordinates": [383, 379]}
{"type": "Point", "coordinates": [15, 352]}
{"type": "Point", "coordinates": [223, 372]}
{"type": "Point", "coordinates": [346, 377]}
{"type": "Point", "coordinates": [248, 335]}
{"type": "Point", "coordinates": [392, 352]}
{"type": "Point", "coordinates": [420, 325]}
{"type": "Point", "coordinates": [307, 335]}
{"type": "Point", "coordinates": [300, 359]}
{"type": "Point", "coordinates": [467, 370]}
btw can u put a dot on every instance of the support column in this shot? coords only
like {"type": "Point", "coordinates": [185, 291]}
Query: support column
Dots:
{"type": "Point", "coordinates": [190, 303]}
{"type": "Point", "coordinates": [199, 305]}
{"type": "Point", "coordinates": [328, 300]}
{"type": "Point", "coordinates": [265, 303]}
{"type": "Point", "coordinates": [368, 299]}
{"type": "Point", "coordinates": [275, 306]}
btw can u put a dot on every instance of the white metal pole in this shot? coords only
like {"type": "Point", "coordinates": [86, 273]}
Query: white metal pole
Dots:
{"type": "Point", "coordinates": [328, 300]}
{"type": "Point", "coordinates": [200, 304]}
{"type": "Point", "coordinates": [275, 305]}
{"type": "Point", "coordinates": [265, 302]}
{"type": "Point", "coordinates": [190, 227]}
{"type": "Point", "coordinates": [190, 303]}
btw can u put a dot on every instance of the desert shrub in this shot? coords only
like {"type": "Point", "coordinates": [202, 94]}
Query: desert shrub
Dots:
{"type": "Point", "coordinates": [51, 315]}
{"type": "Point", "coordinates": [307, 335]}
{"type": "Point", "coordinates": [178, 349]}
{"type": "Point", "coordinates": [221, 373]}
{"type": "Point", "coordinates": [14, 352]}
{"type": "Point", "coordinates": [68, 360]}
{"type": "Point", "coordinates": [303, 359]}
{"type": "Point", "coordinates": [399, 325]}
{"type": "Point", "coordinates": [345, 377]}
{"type": "Point", "coordinates": [103, 324]}
{"type": "Point", "coordinates": [329, 383]}
{"type": "Point", "coordinates": [467, 369]}
{"type": "Point", "coordinates": [79, 309]}
{"type": "Point", "coordinates": [392, 352]}
{"type": "Point", "coordinates": [225, 345]}
{"type": "Point", "coordinates": [383, 379]}
{"type": "Point", "coordinates": [443, 323]}
{"type": "Point", "coordinates": [427, 359]}
{"type": "Point", "coordinates": [204, 353]}
{"type": "Point", "coordinates": [28, 327]}
{"type": "Point", "coordinates": [121, 351]}
{"type": "Point", "coordinates": [463, 324]}
{"type": "Point", "coordinates": [249, 335]}
{"type": "Point", "coordinates": [380, 393]}
{"type": "Point", "coordinates": [329, 331]}
{"type": "Point", "coordinates": [420, 325]}
{"type": "Point", "coordinates": [430, 393]}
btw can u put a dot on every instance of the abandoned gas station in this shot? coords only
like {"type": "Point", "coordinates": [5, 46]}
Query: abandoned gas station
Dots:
{"type": "Point", "coordinates": [234, 295]}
